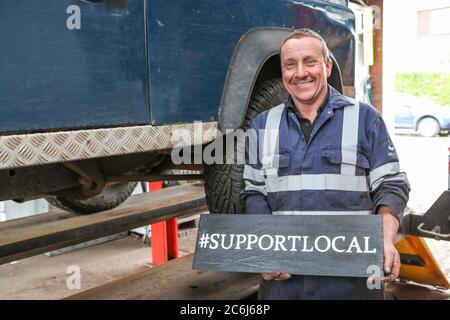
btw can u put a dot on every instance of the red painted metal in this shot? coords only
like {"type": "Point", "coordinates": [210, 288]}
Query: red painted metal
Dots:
{"type": "Point", "coordinates": [159, 243]}
{"type": "Point", "coordinates": [172, 238]}
{"type": "Point", "coordinates": [164, 235]}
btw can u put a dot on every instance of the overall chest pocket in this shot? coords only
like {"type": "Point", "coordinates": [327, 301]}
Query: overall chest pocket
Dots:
{"type": "Point", "coordinates": [332, 160]}
{"type": "Point", "coordinates": [346, 182]}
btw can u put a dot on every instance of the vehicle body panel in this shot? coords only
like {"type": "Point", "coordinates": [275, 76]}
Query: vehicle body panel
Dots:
{"type": "Point", "coordinates": [138, 62]}
{"type": "Point", "coordinates": [54, 78]}
{"type": "Point", "coordinates": [191, 44]}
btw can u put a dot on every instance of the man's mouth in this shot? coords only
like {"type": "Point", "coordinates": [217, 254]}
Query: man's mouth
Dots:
{"type": "Point", "coordinates": [302, 84]}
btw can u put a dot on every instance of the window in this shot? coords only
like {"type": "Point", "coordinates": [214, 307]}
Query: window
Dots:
{"type": "Point", "coordinates": [433, 22]}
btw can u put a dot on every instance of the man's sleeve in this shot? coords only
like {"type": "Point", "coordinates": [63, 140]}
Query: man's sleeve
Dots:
{"type": "Point", "coordinates": [255, 193]}
{"type": "Point", "coordinates": [388, 186]}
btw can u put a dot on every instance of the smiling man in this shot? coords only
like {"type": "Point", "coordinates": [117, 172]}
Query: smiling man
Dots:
{"type": "Point", "coordinates": [329, 155]}
{"type": "Point", "coordinates": [306, 65]}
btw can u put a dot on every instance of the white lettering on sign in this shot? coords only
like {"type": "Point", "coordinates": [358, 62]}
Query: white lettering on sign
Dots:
{"type": "Point", "coordinates": [293, 238]}
{"type": "Point", "coordinates": [270, 238]}
{"type": "Point", "coordinates": [73, 22]}
{"type": "Point", "coordinates": [333, 243]}
{"type": "Point", "coordinates": [252, 239]}
{"type": "Point", "coordinates": [322, 243]}
{"type": "Point", "coordinates": [327, 246]}
{"type": "Point", "coordinates": [240, 239]}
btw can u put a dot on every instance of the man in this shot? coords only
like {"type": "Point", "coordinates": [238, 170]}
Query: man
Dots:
{"type": "Point", "coordinates": [331, 155]}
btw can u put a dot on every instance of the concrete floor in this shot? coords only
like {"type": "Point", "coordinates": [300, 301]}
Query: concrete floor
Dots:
{"type": "Point", "coordinates": [43, 277]}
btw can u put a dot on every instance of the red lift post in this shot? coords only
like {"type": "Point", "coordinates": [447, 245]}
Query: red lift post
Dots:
{"type": "Point", "coordinates": [164, 235]}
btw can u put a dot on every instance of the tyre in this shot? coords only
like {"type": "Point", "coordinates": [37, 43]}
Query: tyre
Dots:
{"type": "Point", "coordinates": [224, 182]}
{"type": "Point", "coordinates": [428, 127]}
{"type": "Point", "coordinates": [111, 196]}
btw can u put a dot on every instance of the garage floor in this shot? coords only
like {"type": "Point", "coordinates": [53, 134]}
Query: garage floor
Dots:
{"type": "Point", "coordinates": [43, 277]}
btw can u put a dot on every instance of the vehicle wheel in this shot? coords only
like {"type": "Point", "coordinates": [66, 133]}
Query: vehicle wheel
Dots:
{"type": "Point", "coordinates": [428, 127]}
{"type": "Point", "coordinates": [224, 182]}
{"type": "Point", "coordinates": [111, 196]}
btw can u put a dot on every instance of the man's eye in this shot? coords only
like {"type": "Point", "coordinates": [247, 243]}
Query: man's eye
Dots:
{"type": "Point", "coordinates": [311, 62]}
{"type": "Point", "coordinates": [289, 65]}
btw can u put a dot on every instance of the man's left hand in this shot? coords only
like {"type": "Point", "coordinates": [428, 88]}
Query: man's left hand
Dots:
{"type": "Point", "coordinates": [391, 255]}
{"type": "Point", "coordinates": [391, 262]}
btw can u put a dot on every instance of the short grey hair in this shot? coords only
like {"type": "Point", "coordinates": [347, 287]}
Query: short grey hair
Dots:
{"type": "Point", "coordinates": [308, 33]}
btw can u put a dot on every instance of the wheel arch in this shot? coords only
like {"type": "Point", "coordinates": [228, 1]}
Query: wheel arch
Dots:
{"type": "Point", "coordinates": [416, 125]}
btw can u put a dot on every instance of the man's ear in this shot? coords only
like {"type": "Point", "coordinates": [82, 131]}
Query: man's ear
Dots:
{"type": "Point", "coordinates": [329, 66]}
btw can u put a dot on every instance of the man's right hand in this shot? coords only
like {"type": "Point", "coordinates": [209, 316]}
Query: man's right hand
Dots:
{"type": "Point", "coordinates": [276, 276]}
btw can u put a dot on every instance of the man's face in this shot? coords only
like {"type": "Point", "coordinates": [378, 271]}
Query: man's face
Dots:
{"type": "Point", "coordinates": [304, 71]}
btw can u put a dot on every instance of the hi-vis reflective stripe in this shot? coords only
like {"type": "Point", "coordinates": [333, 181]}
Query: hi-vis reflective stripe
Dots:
{"type": "Point", "coordinates": [311, 213]}
{"type": "Point", "coordinates": [381, 171]}
{"type": "Point", "coordinates": [318, 182]}
{"type": "Point", "coordinates": [253, 187]}
{"type": "Point", "coordinates": [349, 144]}
{"type": "Point", "coordinates": [253, 174]}
{"type": "Point", "coordinates": [271, 134]}
{"type": "Point", "coordinates": [399, 177]}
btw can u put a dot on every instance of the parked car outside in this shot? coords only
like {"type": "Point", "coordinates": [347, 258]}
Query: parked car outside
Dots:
{"type": "Point", "coordinates": [421, 115]}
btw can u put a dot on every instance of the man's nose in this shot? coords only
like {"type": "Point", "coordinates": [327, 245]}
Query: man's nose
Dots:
{"type": "Point", "coordinates": [301, 71]}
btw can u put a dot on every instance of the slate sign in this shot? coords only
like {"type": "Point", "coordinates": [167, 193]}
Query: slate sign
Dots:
{"type": "Point", "coordinates": [328, 245]}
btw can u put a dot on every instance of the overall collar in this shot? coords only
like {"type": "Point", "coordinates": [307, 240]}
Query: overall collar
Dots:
{"type": "Point", "coordinates": [290, 105]}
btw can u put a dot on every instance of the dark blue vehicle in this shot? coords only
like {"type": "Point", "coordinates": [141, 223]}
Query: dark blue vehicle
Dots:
{"type": "Point", "coordinates": [91, 91]}
{"type": "Point", "coordinates": [421, 115]}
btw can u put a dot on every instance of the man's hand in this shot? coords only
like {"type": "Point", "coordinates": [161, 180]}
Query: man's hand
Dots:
{"type": "Point", "coordinates": [276, 276]}
{"type": "Point", "coordinates": [391, 255]}
{"type": "Point", "coordinates": [391, 262]}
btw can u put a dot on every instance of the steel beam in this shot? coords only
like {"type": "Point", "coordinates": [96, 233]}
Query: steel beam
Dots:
{"type": "Point", "coordinates": [34, 235]}
{"type": "Point", "coordinates": [176, 280]}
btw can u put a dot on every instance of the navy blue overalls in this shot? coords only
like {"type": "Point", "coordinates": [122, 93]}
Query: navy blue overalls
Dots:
{"type": "Point", "coordinates": [349, 166]}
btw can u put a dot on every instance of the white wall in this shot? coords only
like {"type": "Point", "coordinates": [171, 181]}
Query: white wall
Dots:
{"type": "Point", "coordinates": [404, 51]}
{"type": "Point", "coordinates": [410, 52]}
{"type": "Point", "coordinates": [12, 210]}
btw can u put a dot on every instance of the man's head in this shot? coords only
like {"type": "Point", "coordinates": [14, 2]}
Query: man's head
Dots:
{"type": "Point", "coordinates": [305, 66]}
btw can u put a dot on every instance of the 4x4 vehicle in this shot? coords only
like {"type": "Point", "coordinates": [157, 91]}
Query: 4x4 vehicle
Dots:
{"type": "Point", "coordinates": [92, 91]}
